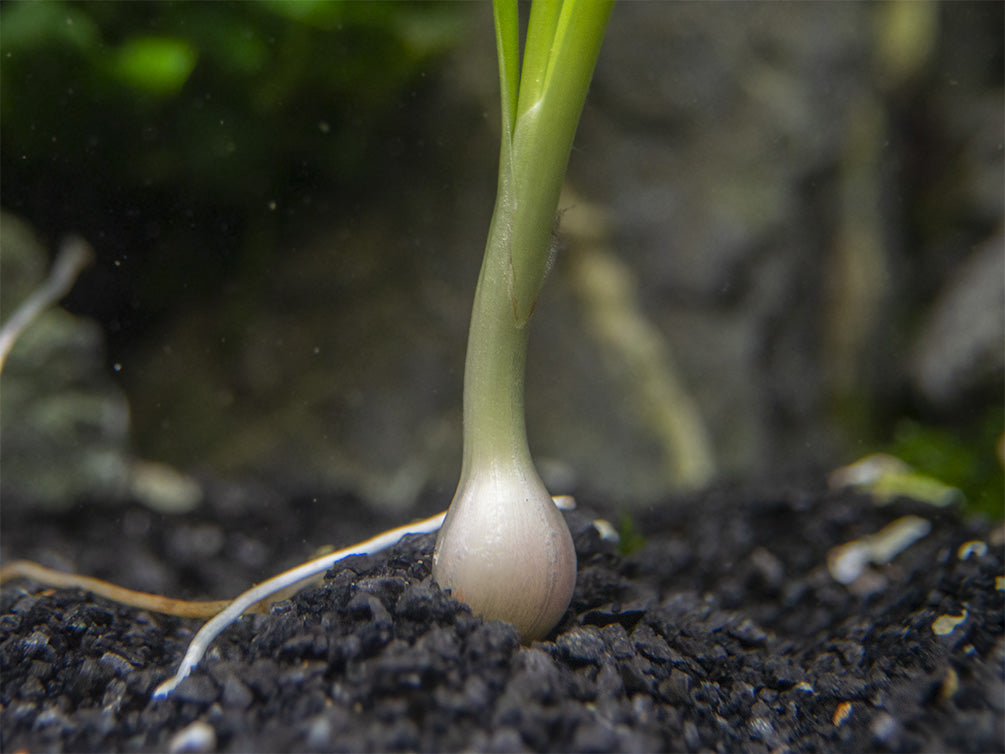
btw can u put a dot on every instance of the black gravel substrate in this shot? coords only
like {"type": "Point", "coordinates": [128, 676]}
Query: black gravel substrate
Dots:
{"type": "Point", "coordinates": [725, 632]}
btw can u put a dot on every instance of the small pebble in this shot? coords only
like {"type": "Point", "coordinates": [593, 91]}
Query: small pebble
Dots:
{"type": "Point", "coordinates": [884, 727]}
{"type": "Point", "coordinates": [606, 531]}
{"type": "Point", "coordinates": [198, 689]}
{"type": "Point", "coordinates": [761, 729]}
{"type": "Point", "coordinates": [946, 624]}
{"type": "Point", "coordinates": [319, 733]}
{"type": "Point", "coordinates": [842, 713]}
{"type": "Point", "coordinates": [950, 684]}
{"type": "Point", "coordinates": [582, 645]}
{"type": "Point", "coordinates": [236, 694]}
{"type": "Point", "coordinates": [609, 683]}
{"type": "Point", "coordinates": [37, 646]}
{"type": "Point", "coordinates": [749, 633]}
{"type": "Point", "coordinates": [197, 737]}
{"type": "Point", "coordinates": [973, 547]}
{"type": "Point", "coordinates": [650, 645]}
{"type": "Point", "coordinates": [771, 569]}
{"type": "Point", "coordinates": [118, 665]}
{"type": "Point", "coordinates": [617, 642]}
{"type": "Point", "coordinates": [692, 739]}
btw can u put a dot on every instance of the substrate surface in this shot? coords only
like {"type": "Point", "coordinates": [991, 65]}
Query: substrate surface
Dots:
{"type": "Point", "coordinates": [726, 631]}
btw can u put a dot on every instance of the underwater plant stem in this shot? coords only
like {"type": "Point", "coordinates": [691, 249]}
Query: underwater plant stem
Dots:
{"type": "Point", "coordinates": [539, 115]}
{"type": "Point", "coordinates": [494, 425]}
{"type": "Point", "coordinates": [504, 548]}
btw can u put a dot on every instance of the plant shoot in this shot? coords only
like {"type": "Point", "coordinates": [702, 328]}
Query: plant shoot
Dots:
{"type": "Point", "coordinates": [504, 547]}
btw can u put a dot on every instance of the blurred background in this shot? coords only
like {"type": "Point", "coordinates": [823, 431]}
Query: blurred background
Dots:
{"type": "Point", "coordinates": [781, 249]}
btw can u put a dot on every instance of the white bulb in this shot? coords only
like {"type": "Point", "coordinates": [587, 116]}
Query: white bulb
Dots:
{"type": "Point", "coordinates": [505, 549]}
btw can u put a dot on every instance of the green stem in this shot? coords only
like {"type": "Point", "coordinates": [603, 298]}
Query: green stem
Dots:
{"type": "Point", "coordinates": [540, 114]}
{"type": "Point", "coordinates": [494, 426]}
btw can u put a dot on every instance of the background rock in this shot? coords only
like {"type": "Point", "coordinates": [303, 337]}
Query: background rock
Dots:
{"type": "Point", "coordinates": [959, 348]}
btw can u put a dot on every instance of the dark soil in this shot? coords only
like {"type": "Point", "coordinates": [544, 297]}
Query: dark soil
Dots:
{"type": "Point", "coordinates": [724, 632]}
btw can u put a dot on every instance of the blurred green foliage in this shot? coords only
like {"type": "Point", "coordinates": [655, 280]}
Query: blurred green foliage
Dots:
{"type": "Point", "coordinates": [223, 96]}
{"type": "Point", "coordinates": [630, 538]}
{"type": "Point", "coordinates": [185, 139]}
{"type": "Point", "coordinates": [158, 65]}
{"type": "Point", "coordinates": [967, 460]}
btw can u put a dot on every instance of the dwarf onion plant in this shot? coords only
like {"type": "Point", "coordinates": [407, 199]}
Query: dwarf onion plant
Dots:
{"type": "Point", "coordinates": [503, 545]}
{"type": "Point", "coordinates": [504, 548]}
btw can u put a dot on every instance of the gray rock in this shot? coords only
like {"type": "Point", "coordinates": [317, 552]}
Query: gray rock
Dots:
{"type": "Point", "coordinates": [960, 347]}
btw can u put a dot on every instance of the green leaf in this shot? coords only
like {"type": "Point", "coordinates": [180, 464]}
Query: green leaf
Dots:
{"type": "Point", "coordinates": [538, 51]}
{"type": "Point", "coordinates": [563, 43]}
{"type": "Point", "coordinates": [507, 26]}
